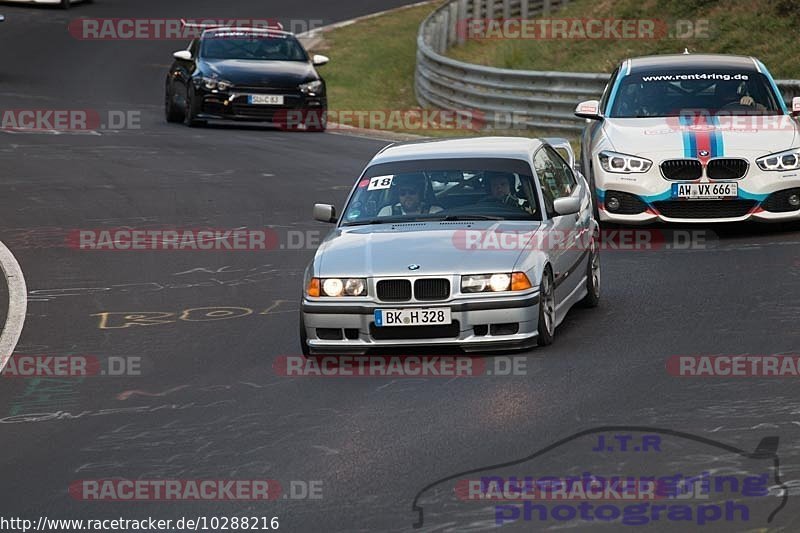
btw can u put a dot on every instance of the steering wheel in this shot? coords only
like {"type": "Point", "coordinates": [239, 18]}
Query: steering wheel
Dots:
{"type": "Point", "coordinates": [737, 105]}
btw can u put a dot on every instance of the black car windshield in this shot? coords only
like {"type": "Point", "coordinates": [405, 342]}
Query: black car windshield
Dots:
{"type": "Point", "coordinates": [444, 189]}
{"type": "Point", "coordinates": [248, 45]}
{"type": "Point", "coordinates": [671, 93]}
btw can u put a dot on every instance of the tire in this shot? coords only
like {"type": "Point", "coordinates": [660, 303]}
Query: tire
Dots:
{"type": "Point", "coordinates": [593, 191]}
{"type": "Point", "coordinates": [547, 309]}
{"type": "Point", "coordinates": [171, 113]}
{"type": "Point", "coordinates": [592, 298]}
{"type": "Point", "coordinates": [65, 4]}
{"type": "Point", "coordinates": [190, 111]}
{"type": "Point", "coordinates": [321, 124]}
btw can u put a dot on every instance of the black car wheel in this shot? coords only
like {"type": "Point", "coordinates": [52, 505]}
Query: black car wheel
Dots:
{"type": "Point", "coordinates": [171, 112]}
{"type": "Point", "coordinates": [319, 123]}
{"type": "Point", "coordinates": [65, 4]}
{"type": "Point", "coordinates": [190, 111]}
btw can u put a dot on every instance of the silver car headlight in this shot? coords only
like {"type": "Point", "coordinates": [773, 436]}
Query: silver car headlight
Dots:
{"type": "Point", "coordinates": [515, 281]}
{"type": "Point", "coordinates": [311, 88]}
{"type": "Point", "coordinates": [786, 160]}
{"type": "Point", "coordinates": [335, 287]}
{"type": "Point", "coordinates": [623, 163]}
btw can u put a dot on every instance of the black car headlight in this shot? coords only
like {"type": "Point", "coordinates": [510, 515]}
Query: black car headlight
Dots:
{"type": "Point", "coordinates": [787, 160]}
{"type": "Point", "coordinates": [311, 88]}
{"type": "Point", "coordinates": [214, 83]}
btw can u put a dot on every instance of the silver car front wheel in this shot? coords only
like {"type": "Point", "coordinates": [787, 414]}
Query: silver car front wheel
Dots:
{"type": "Point", "coordinates": [547, 309]}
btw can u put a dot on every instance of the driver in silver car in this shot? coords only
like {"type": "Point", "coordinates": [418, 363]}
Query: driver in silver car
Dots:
{"type": "Point", "coordinates": [410, 189]}
{"type": "Point", "coordinates": [500, 186]}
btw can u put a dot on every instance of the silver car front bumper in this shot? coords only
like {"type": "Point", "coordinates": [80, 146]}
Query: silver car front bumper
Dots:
{"type": "Point", "coordinates": [522, 310]}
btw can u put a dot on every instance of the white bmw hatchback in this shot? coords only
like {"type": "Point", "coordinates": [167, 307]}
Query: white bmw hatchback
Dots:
{"type": "Point", "coordinates": [692, 138]}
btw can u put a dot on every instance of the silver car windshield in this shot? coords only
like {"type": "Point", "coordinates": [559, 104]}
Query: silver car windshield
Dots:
{"type": "Point", "coordinates": [672, 93]}
{"type": "Point", "coordinates": [447, 189]}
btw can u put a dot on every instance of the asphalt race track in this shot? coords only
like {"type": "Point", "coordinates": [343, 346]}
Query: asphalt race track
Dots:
{"type": "Point", "coordinates": [209, 405]}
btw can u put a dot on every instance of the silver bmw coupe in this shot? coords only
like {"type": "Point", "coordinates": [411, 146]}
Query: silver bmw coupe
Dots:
{"type": "Point", "coordinates": [479, 244]}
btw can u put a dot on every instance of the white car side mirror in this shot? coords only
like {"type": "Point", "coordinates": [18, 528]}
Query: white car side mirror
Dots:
{"type": "Point", "coordinates": [589, 109]}
{"type": "Point", "coordinates": [319, 60]}
{"type": "Point", "coordinates": [183, 55]}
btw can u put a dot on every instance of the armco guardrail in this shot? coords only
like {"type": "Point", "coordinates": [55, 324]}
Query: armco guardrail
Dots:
{"type": "Point", "coordinates": [532, 99]}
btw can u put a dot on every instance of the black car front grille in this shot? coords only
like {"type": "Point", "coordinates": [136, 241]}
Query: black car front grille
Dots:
{"type": "Point", "coordinates": [263, 89]}
{"type": "Point", "coordinates": [432, 289]}
{"type": "Point", "coordinates": [390, 333]}
{"type": "Point", "coordinates": [629, 204]}
{"type": "Point", "coordinates": [700, 209]}
{"type": "Point", "coordinates": [681, 169]}
{"type": "Point", "coordinates": [727, 169]}
{"type": "Point", "coordinates": [778, 202]}
{"type": "Point", "coordinates": [394, 290]}
{"type": "Point", "coordinates": [254, 111]}
{"type": "Point", "coordinates": [213, 107]}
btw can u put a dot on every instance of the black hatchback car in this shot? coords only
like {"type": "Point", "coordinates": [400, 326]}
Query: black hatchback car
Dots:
{"type": "Point", "coordinates": [247, 74]}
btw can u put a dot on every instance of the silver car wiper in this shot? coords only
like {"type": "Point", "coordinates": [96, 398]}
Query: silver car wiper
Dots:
{"type": "Point", "coordinates": [450, 218]}
{"type": "Point", "coordinates": [384, 220]}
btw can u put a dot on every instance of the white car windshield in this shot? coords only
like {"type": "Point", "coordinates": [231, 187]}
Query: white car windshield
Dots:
{"type": "Point", "coordinates": [672, 93]}
{"type": "Point", "coordinates": [445, 189]}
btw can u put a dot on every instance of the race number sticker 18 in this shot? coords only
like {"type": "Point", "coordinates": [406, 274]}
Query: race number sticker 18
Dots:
{"type": "Point", "coordinates": [380, 182]}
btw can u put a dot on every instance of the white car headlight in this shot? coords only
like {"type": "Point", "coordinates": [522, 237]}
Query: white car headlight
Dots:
{"type": "Point", "coordinates": [623, 163]}
{"type": "Point", "coordinates": [344, 287]}
{"type": "Point", "coordinates": [787, 160]}
{"type": "Point", "coordinates": [311, 87]}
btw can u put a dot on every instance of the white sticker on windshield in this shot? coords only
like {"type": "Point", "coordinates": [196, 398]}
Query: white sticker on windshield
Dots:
{"type": "Point", "coordinates": [380, 182]}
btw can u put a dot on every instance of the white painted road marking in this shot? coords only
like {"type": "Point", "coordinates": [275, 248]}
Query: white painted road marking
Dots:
{"type": "Point", "coordinates": [17, 304]}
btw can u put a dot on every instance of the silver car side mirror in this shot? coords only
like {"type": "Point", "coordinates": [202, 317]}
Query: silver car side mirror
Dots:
{"type": "Point", "coordinates": [567, 206]}
{"type": "Point", "coordinates": [325, 213]}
